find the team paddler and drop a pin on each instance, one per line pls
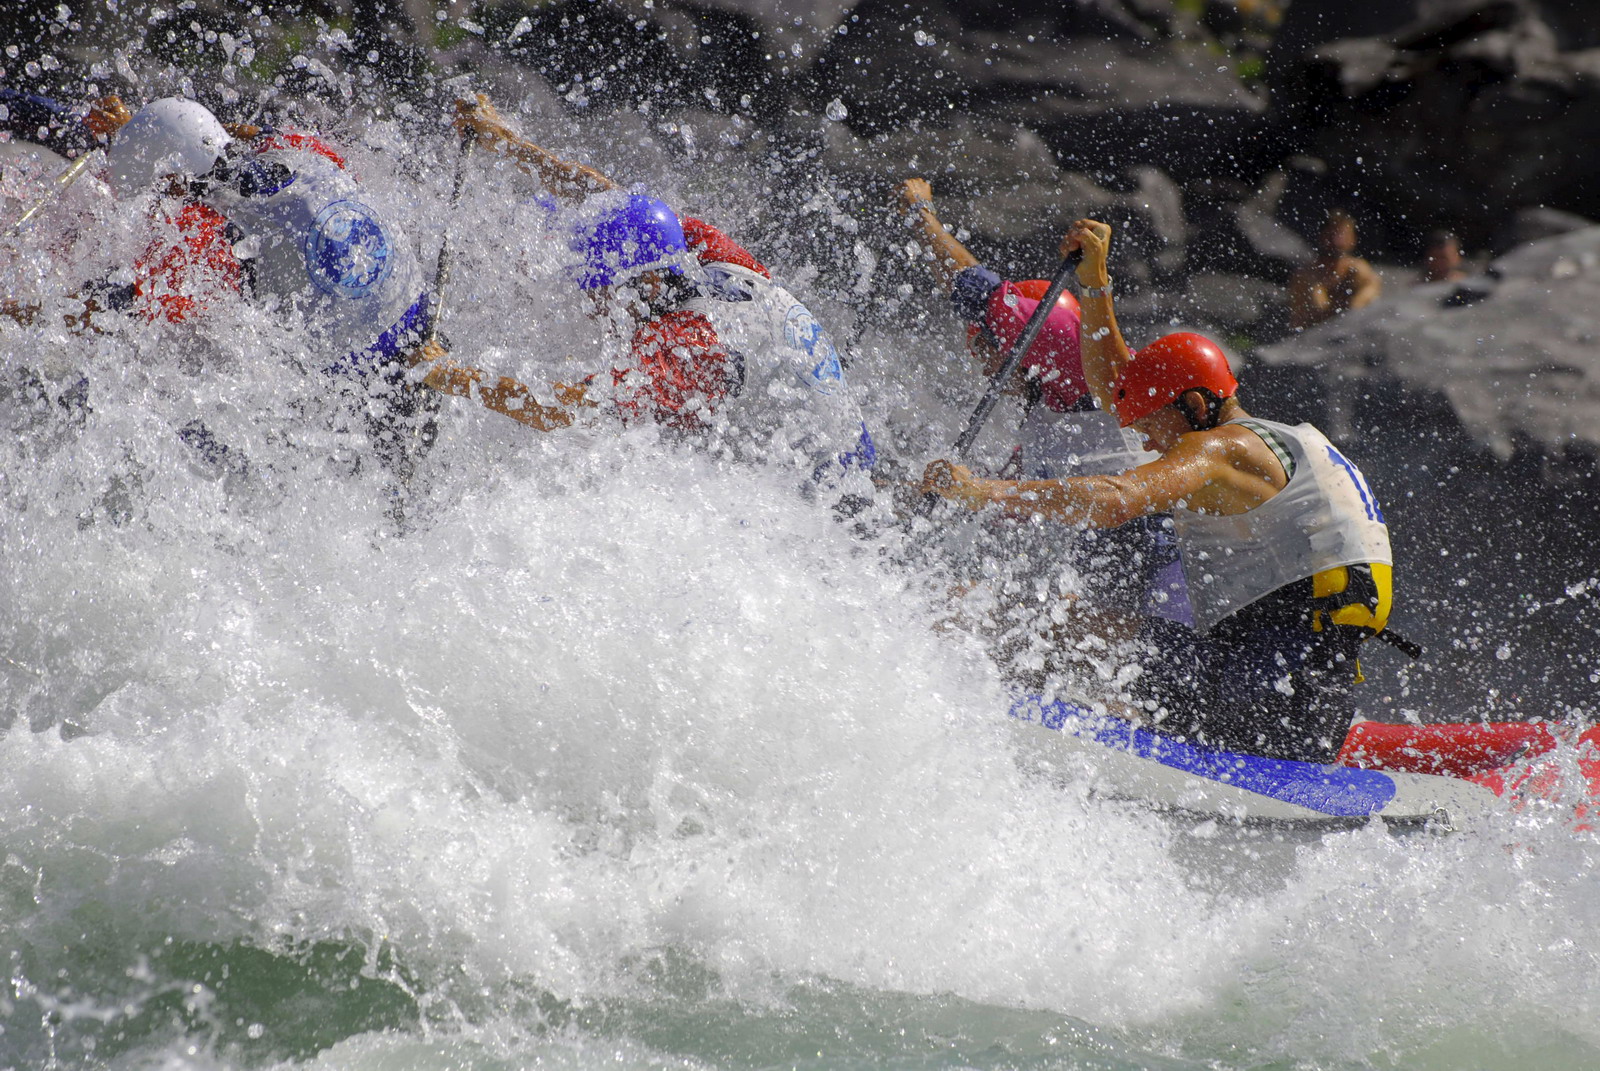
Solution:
(699, 336)
(1282, 542)
(1063, 431)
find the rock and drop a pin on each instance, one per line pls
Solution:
(627, 53)
(1422, 24)
(1238, 230)
(774, 19)
(1310, 23)
(1568, 256)
(1533, 224)
(1230, 301)
(1456, 119)
(1155, 222)
(1573, 21)
(969, 157)
(1274, 249)
(1104, 86)
(1514, 354)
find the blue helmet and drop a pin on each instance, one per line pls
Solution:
(636, 235)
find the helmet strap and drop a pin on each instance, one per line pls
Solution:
(671, 294)
(1213, 413)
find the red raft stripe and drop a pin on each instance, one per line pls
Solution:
(1453, 749)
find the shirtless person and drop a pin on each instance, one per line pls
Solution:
(1337, 281)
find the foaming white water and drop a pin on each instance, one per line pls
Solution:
(610, 701)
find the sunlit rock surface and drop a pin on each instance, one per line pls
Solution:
(1515, 351)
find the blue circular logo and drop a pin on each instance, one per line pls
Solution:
(801, 330)
(347, 253)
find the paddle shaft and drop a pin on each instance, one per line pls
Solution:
(1014, 357)
(441, 275)
(1408, 647)
(57, 188)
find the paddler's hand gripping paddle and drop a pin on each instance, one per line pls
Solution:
(1014, 357)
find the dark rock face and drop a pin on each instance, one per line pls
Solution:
(1308, 24)
(1461, 117)
(1105, 87)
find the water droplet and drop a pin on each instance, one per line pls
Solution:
(923, 38)
(836, 110)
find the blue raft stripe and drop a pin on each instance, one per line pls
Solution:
(1333, 790)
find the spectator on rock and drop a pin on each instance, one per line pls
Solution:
(1337, 281)
(1441, 258)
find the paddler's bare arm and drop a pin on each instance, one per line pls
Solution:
(26, 315)
(1362, 285)
(506, 396)
(1217, 471)
(1104, 351)
(1308, 299)
(950, 257)
(564, 178)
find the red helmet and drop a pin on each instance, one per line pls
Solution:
(1166, 368)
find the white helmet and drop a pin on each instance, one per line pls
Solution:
(167, 136)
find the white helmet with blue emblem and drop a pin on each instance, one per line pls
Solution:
(171, 136)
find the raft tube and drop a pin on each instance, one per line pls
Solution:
(1125, 762)
(1516, 760)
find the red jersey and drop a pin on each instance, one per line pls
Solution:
(682, 372)
(176, 278)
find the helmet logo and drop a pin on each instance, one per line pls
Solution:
(347, 253)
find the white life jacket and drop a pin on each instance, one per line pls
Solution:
(316, 245)
(1085, 442)
(1325, 517)
(794, 392)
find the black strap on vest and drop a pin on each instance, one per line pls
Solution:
(1410, 648)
